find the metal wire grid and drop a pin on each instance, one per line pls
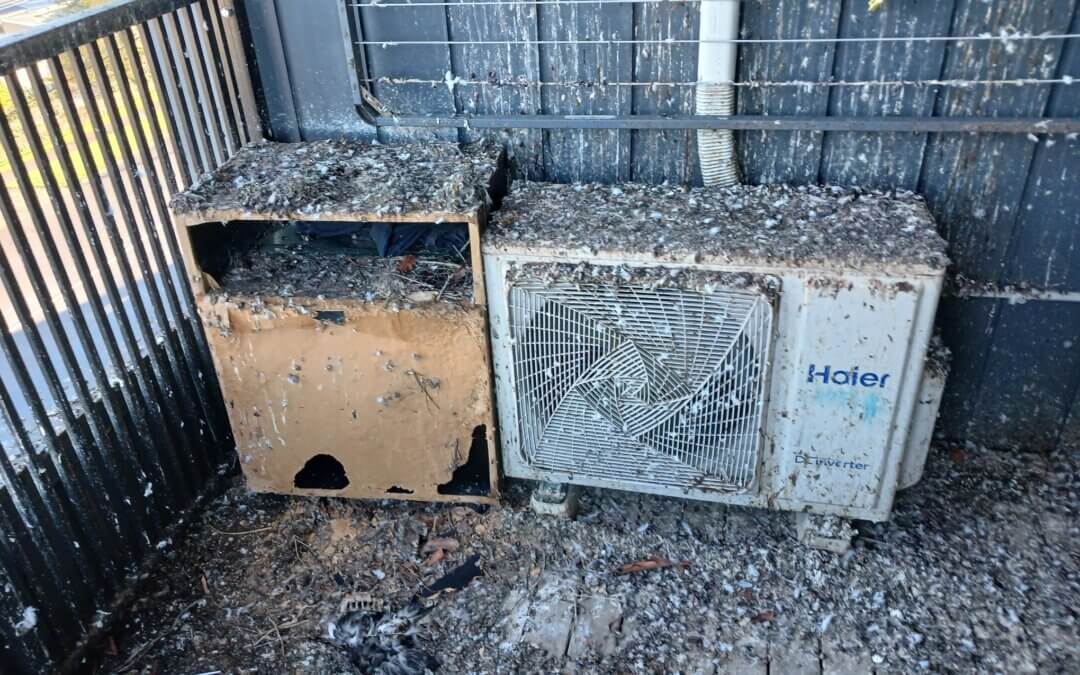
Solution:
(657, 387)
(744, 84)
(110, 424)
(1004, 36)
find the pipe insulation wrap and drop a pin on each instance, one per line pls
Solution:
(714, 94)
(716, 147)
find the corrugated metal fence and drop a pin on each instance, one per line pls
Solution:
(112, 425)
(1006, 202)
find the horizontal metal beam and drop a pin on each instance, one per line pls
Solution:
(1015, 295)
(999, 125)
(27, 48)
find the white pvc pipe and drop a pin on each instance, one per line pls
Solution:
(714, 94)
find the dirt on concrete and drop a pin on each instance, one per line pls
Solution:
(979, 571)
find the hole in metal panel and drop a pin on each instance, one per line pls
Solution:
(472, 477)
(335, 316)
(321, 472)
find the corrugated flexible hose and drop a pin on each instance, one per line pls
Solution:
(716, 147)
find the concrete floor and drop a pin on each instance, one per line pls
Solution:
(979, 571)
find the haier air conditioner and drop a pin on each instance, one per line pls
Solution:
(761, 346)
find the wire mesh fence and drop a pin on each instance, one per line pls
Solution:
(110, 420)
(579, 63)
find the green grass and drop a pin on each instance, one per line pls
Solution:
(67, 135)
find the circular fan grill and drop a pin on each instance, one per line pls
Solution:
(663, 378)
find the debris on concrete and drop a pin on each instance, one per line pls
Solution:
(553, 608)
(454, 580)
(653, 563)
(978, 571)
(828, 533)
(558, 500)
(383, 644)
(596, 627)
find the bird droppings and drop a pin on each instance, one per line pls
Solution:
(938, 358)
(651, 278)
(270, 195)
(804, 225)
(978, 571)
(27, 622)
(339, 177)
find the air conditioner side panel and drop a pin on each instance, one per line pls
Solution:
(502, 366)
(846, 370)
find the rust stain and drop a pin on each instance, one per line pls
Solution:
(393, 396)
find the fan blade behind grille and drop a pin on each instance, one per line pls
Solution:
(613, 379)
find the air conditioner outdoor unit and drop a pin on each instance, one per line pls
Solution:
(761, 346)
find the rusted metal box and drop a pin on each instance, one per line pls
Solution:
(346, 373)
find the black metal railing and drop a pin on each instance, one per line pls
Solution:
(111, 423)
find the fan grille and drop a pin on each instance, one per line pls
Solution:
(644, 386)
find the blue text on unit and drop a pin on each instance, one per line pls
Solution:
(827, 375)
(830, 462)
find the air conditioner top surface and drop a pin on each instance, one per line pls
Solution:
(829, 226)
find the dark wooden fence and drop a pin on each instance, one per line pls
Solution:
(111, 423)
(1007, 202)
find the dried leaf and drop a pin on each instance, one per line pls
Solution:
(764, 617)
(654, 563)
(341, 529)
(445, 544)
(437, 556)
(406, 264)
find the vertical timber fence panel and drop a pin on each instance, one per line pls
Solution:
(973, 103)
(111, 423)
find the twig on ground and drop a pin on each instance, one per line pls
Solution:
(242, 532)
(138, 653)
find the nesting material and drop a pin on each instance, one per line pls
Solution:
(298, 272)
(778, 224)
(327, 179)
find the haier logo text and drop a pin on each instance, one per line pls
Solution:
(828, 375)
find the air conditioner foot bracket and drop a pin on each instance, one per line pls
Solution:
(555, 499)
(828, 533)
